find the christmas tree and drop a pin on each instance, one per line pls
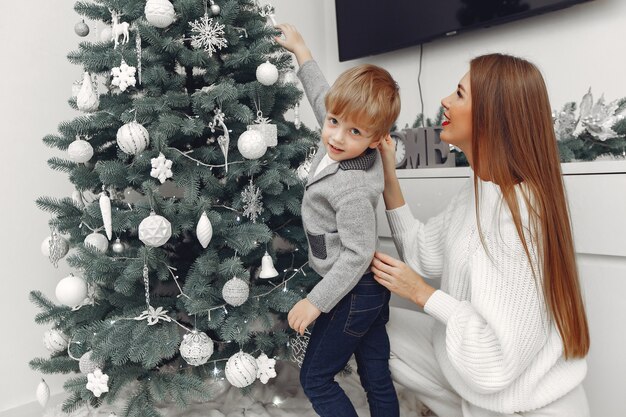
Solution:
(188, 182)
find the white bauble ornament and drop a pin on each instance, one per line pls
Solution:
(71, 291)
(118, 246)
(155, 230)
(215, 9)
(160, 13)
(81, 29)
(98, 241)
(87, 365)
(62, 250)
(267, 73)
(105, 210)
(80, 151)
(196, 348)
(43, 393)
(251, 144)
(204, 230)
(87, 99)
(55, 340)
(235, 292)
(107, 34)
(241, 369)
(132, 138)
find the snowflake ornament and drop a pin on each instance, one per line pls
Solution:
(161, 168)
(265, 367)
(123, 76)
(153, 315)
(208, 34)
(97, 382)
(252, 199)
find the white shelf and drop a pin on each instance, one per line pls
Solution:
(568, 168)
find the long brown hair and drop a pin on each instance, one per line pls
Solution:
(513, 142)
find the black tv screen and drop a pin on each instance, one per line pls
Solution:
(369, 27)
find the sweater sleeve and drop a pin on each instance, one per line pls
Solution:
(420, 245)
(315, 88)
(356, 224)
(494, 336)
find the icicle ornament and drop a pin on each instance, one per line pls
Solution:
(105, 209)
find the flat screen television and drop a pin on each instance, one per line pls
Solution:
(369, 27)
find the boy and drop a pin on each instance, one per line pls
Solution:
(349, 307)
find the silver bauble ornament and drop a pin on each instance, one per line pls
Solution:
(155, 230)
(215, 9)
(160, 13)
(236, 291)
(80, 151)
(55, 340)
(132, 138)
(118, 246)
(97, 241)
(251, 144)
(71, 291)
(87, 365)
(196, 348)
(81, 29)
(267, 73)
(241, 369)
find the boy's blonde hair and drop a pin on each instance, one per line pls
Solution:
(368, 95)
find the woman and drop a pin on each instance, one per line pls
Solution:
(507, 332)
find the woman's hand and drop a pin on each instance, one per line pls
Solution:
(387, 148)
(293, 42)
(400, 279)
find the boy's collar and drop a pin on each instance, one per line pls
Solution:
(363, 162)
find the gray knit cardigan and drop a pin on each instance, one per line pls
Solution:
(338, 209)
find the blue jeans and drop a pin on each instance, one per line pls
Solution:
(356, 325)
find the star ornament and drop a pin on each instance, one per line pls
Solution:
(161, 168)
(153, 316)
(97, 382)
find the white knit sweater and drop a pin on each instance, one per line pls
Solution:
(492, 337)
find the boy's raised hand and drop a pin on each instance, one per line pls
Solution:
(302, 314)
(293, 42)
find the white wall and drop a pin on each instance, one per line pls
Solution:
(35, 80)
(576, 48)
